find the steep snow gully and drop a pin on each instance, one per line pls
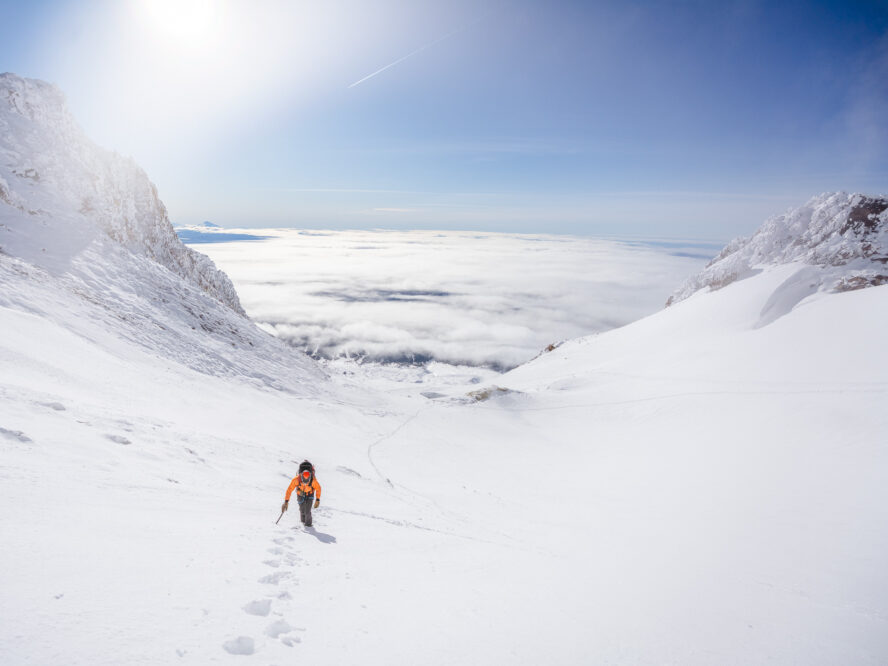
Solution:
(703, 486)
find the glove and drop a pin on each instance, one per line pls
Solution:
(284, 505)
(317, 503)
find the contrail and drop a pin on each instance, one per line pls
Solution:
(419, 50)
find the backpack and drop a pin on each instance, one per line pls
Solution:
(305, 465)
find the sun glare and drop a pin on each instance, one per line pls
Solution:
(186, 24)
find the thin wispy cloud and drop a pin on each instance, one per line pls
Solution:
(352, 190)
(690, 194)
(504, 146)
(340, 190)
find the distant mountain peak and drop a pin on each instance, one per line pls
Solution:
(845, 236)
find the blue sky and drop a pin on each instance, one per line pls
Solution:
(666, 119)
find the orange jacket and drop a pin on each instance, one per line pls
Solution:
(306, 489)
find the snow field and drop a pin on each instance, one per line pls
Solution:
(633, 502)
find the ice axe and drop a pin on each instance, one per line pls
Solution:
(283, 509)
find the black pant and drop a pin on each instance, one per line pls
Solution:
(305, 509)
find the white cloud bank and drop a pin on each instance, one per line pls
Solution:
(458, 297)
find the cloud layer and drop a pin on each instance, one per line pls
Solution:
(478, 299)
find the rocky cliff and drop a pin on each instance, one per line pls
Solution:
(842, 238)
(54, 180)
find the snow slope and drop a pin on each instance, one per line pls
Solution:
(698, 487)
(689, 489)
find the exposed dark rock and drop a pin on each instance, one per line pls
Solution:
(863, 218)
(861, 282)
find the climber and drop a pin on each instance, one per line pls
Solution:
(306, 486)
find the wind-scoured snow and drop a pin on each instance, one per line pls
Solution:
(703, 486)
(842, 239)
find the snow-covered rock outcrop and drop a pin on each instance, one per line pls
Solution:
(841, 239)
(86, 246)
(50, 171)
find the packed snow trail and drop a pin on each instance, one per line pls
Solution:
(383, 439)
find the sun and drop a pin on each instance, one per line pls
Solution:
(184, 24)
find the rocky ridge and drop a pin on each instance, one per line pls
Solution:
(841, 238)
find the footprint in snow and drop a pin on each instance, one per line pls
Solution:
(57, 406)
(240, 645)
(272, 563)
(17, 435)
(261, 607)
(275, 578)
(118, 439)
(277, 628)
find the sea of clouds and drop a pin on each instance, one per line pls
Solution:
(462, 298)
